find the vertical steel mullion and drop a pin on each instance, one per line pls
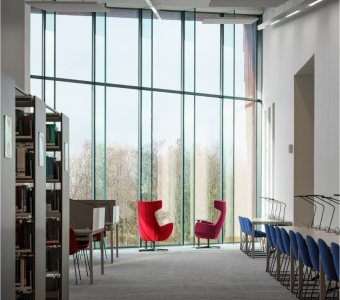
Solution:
(93, 107)
(194, 167)
(221, 117)
(140, 113)
(105, 108)
(152, 16)
(182, 127)
(43, 71)
(234, 134)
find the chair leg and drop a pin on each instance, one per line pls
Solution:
(105, 249)
(152, 249)
(75, 270)
(87, 273)
(77, 257)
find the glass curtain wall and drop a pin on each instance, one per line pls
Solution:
(158, 111)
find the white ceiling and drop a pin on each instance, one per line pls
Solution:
(247, 3)
(200, 5)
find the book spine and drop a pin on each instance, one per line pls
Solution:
(25, 198)
(17, 234)
(22, 278)
(47, 165)
(52, 134)
(22, 199)
(25, 273)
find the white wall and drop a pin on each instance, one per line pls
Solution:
(287, 46)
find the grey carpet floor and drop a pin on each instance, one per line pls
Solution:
(181, 273)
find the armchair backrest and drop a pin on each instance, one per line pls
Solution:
(222, 207)
(147, 223)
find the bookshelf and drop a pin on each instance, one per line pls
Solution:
(33, 179)
(62, 211)
(7, 189)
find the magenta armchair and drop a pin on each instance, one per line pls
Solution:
(207, 230)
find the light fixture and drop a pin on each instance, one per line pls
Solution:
(295, 12)
(229, 20)
(315, 2)
(275, 22)
(68, 6)
(155, 8)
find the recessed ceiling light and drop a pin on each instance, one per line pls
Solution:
(229, 20)
(155, 8)
(314, 2)
(295, 12)
(275, 22)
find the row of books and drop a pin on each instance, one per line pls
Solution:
(53, 136)
(23, 271)
(52, 229)
(53, 199)
(23, 201)
(52, 284)
(24, 228)
(25, 295)
(24, 162)
(52, 168)
(53, 254)
(23, 123)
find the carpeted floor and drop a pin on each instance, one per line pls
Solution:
(181, 273)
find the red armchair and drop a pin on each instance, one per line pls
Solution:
(149, 229)
(208, 230)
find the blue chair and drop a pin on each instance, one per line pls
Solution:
(313, 251)
(272, 248)
(293, 241)
(335, 253)
(328, 265)
(242, 247)
(303, 250)
(284, 256)
(274, 242)
(258, 234)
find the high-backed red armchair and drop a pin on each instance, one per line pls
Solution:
(149, 229)
(208, 230)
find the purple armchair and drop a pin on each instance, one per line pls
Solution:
(207, 230)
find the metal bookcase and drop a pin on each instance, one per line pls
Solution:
(63, 213)
(38, 212)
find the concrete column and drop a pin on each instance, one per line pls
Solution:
(15, 41)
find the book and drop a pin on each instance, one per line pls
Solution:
(50, 135)
(22, 274)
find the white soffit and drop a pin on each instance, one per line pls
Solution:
(68, 6)
(229, 20)
(246, 3)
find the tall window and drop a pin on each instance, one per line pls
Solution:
(158, 111)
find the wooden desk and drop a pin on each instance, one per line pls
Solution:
(87, 235)
(315, 234)
(110, 226)
(260, 221)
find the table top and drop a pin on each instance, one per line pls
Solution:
(265, 220)
(110, 223)
(315, 234)
(87, 231)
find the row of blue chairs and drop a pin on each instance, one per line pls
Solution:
(309, 254)
(246, 228)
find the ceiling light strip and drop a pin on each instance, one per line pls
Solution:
(155, 8)
(289, 12)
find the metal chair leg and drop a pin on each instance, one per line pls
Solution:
(77, 257)
(75, 270)
(87, 273)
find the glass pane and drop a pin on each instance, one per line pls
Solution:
(74, 45)
(228, 168)
(228, 68)
(245, 162)
(146, 47)
(189, 51)
(75, 101)
(36, 88)
(189, 163)
(166, 183)
(49, 45)
(122, 46)
(146, 146)
(207, 160)
(207, 56)
(36, 41)
(49, 93)
(100, 48)
(100, 142)
(167, 51)
(122, 160)
(245, 60)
